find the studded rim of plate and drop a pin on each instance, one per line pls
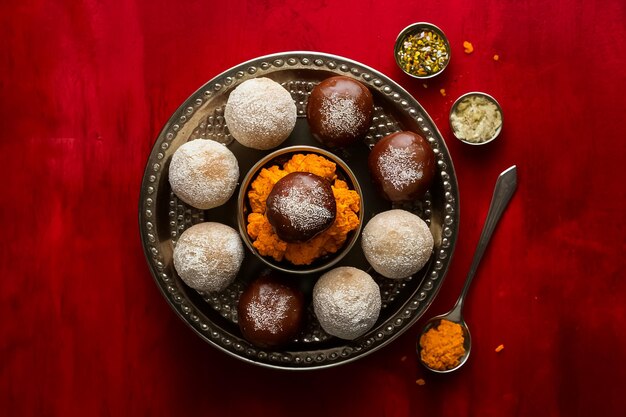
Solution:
(184, 125)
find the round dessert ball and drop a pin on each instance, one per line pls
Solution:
(402, 166)
(208, 255)
(346, 302)
(300, 206)
(270, 311)
(203, 173)
(339, 111)
(397, 243)
(260, 113)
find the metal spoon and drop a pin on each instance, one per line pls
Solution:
(505, 186)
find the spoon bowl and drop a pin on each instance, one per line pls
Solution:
(504, 189)
(454, 317)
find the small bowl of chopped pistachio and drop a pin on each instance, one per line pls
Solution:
(422, 50)
(476, 118)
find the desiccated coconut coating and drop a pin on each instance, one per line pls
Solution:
(203, 173)
(208, 255)
(346, 302)
(397, 243)
(260, 113)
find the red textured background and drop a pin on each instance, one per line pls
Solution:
(85, 87)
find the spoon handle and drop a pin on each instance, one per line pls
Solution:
(505, 187)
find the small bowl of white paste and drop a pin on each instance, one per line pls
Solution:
(476, 118)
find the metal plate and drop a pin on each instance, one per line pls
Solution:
(163, 217)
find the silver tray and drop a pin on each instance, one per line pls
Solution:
(162, 217)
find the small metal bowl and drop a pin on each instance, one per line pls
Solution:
(279, 157)
(488, 98)
(415, 28)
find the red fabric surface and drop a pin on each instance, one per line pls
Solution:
(85, 87)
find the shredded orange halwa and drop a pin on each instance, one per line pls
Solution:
(468, 47)
(260, 230)
(442, 346)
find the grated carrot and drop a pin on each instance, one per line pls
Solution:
(468, 47)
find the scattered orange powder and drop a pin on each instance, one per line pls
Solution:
(442, 346)
(468, 47)
(499, 348)
(496, 57)
(260, 230)
(443, 92)
(420, 381)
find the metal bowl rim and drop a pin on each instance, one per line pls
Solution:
(253, 172)
(478, 94)
(412, 27)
